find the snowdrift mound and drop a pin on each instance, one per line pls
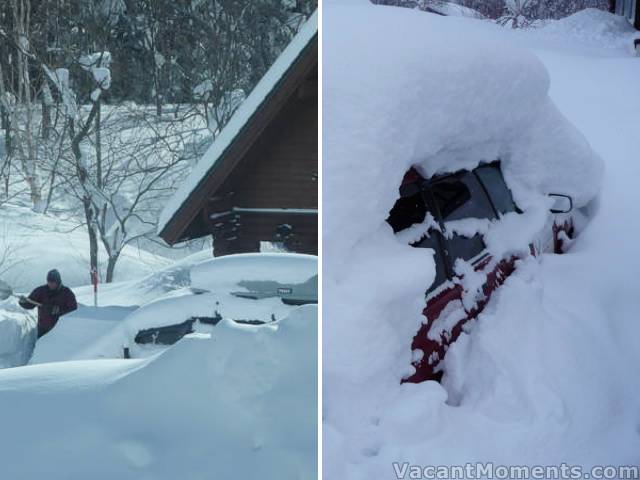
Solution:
(240, 404)
(17, 334)
(421, 95)
(199, 286)
(592, 25)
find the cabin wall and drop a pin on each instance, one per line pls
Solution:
(280, 171)
(245, 236)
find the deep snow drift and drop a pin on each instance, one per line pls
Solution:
(240, 403)
(440, 101)
(230, 401)
(548, 370)
(17, 334)
(79, 330)
(196, 286)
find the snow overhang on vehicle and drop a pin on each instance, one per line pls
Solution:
(290, 293)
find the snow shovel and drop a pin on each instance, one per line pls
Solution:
(6, 291)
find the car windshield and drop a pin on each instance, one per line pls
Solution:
(460, 196)
(480, 193)
(449, 195)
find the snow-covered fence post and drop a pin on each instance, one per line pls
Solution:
(94, 282)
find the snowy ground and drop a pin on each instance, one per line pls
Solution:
(548, 374)
(37, 243)
(230, 401)
(241, 404)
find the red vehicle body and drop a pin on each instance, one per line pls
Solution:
(481, 193)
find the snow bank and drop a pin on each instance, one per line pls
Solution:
(241, 404)
(196, 286)
(17, 334)
(173, 309)
(595, 27)
(77, 331)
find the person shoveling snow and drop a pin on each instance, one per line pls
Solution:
(53, 300)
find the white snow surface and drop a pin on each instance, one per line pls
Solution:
(591, 27)
(17, 334)
(240, 118)
(39, 242)
(240, 403)
(228, 271)
(440, 101)
(548, 371)
(195, 286)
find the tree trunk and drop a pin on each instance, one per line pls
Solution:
(158, 96)
(98, 144)
(46, 119)
(91, 230)
(89, 213)
(111, 266)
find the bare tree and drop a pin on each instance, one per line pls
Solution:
(18, 106)
(8, 252)
(109, 152)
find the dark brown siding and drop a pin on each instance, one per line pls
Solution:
(245, 236)
(300, 82)
(264, 186)
(281, 169)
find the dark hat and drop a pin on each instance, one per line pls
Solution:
(54, 276)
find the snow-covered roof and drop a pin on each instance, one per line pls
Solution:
(240, 119)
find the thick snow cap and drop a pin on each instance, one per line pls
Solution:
(405, 88)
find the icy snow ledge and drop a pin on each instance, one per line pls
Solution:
(241, 404)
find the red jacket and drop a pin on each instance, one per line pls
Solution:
(63, 298)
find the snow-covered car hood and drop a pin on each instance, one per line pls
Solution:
(262, 287)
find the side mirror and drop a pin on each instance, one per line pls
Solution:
(562, 203)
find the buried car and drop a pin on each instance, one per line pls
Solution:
(452, 214)
(249, 289)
